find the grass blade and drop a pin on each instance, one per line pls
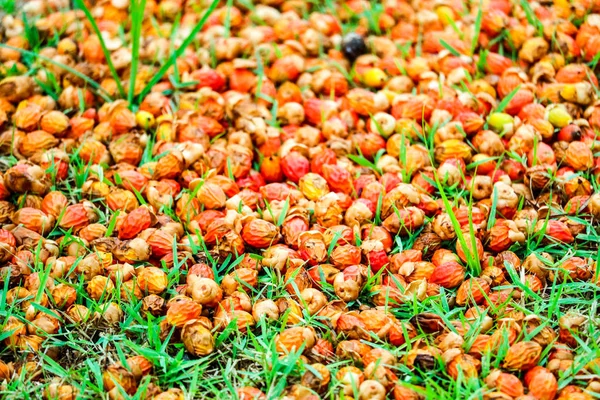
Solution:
(478, 20)
(448, 47)
(137, 17)
(105, 95)
(507, 99)
(532, 18)
(471, 254)
(113, 71)
(284, 212)
(227, 24)
(112, 224)
(188, 40)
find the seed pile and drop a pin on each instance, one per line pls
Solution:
(289, 199)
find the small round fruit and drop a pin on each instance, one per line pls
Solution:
(353, 46)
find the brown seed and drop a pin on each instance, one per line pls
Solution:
(55, 123)
(371, 389)
(205, 291)
(464, 364)
(100, 287)
(294, 339)
(579, 156)
(78, 313)
(152, 280)
(265, 308)
(153, 304)
(452, 148)
(197, 339)
(318, 381)
(57, 390)
(17, 88)
(404, 393)
(117, 376)
(522, 356)
(428, 322)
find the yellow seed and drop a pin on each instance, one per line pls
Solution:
(580, 93)
(313, 186)
(144, 119)
(559, 117)
(568, 92)
(374, 78)
(445, 14)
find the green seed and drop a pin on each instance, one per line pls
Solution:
(559, 117)
(501, 122)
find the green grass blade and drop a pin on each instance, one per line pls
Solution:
(472, 256)
(507, 99)
(284, 212)
(137, 17)
(105, 96)
(227, 24)
(532, 18)
(188, 40)
(112, 224)
(448, 47)
(478, 20)
(113, 71)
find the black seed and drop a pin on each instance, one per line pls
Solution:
(425, 361)
(353, 46)
(428, 322)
